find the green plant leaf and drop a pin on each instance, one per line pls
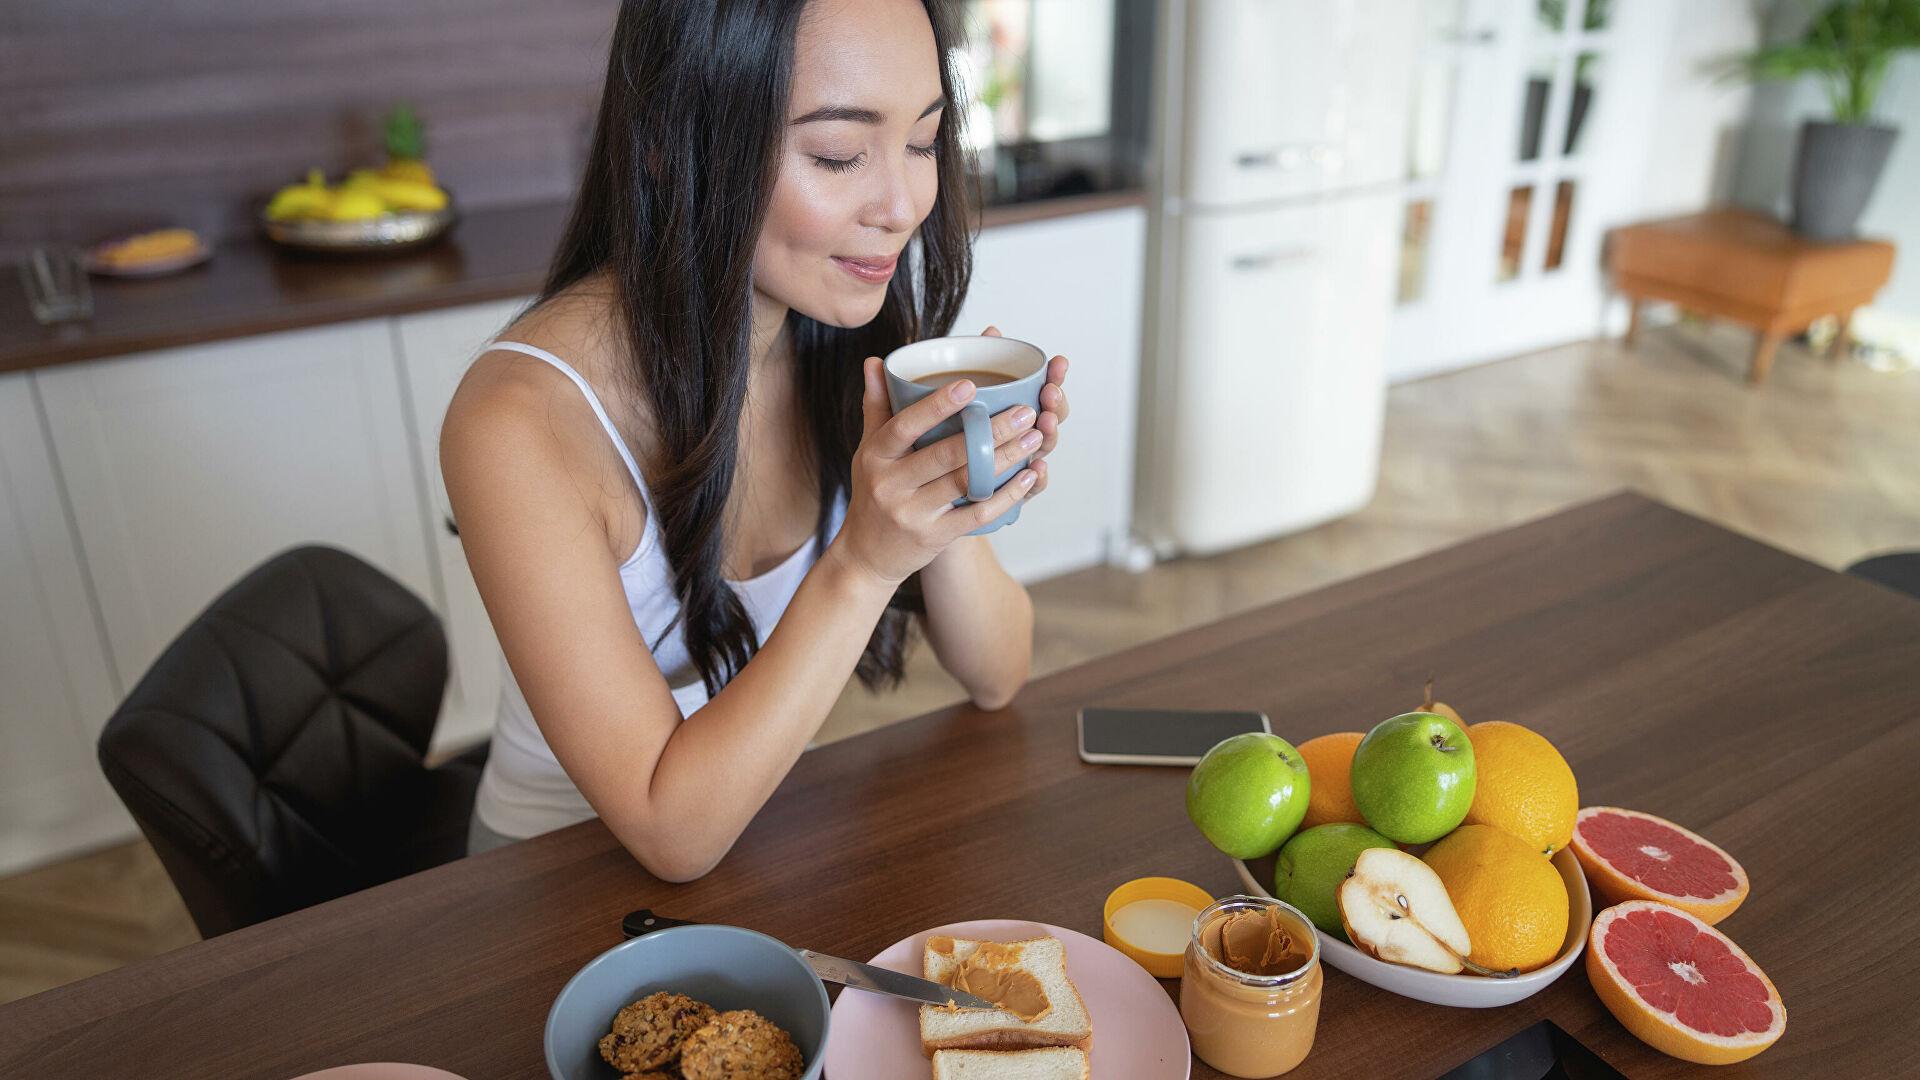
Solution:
(1848, 46)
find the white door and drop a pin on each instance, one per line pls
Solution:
(436, 348)
(1091, 314)
(56, 687)
(1528, 143)
(187, 468)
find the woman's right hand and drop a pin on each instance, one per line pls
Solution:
(900, 513)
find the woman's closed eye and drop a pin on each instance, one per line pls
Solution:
(858, 160)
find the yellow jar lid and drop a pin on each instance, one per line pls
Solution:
(1161, 965)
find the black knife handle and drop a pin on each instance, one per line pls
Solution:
(645, 921)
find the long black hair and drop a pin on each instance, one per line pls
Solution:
(685, 154)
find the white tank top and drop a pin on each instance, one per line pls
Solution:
(523, 790)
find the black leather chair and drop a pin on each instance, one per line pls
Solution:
(274, 753)
(1899, 570)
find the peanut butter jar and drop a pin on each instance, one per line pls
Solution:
(1250, 986)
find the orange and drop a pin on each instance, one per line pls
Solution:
(1522, 786)
(1681, 986)
(1629, 855)
(1511, 900)
(1330, 785)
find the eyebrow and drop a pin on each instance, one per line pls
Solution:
(861, 116)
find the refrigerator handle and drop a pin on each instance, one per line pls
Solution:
(1286, 157)
(1270, 258)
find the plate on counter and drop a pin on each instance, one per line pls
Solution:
(1137, 1031)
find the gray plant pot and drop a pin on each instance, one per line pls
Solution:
(1833, 176)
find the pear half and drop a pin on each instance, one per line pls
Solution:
(1395, 907)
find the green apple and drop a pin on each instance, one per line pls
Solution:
(1248, 794)
(1314, 863)
(1413, 777)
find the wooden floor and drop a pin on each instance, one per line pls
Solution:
(1822, 461)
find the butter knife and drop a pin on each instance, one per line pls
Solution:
(874, 980)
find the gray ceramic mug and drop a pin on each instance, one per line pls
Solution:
(919, 369)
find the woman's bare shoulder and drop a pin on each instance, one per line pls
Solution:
(511, 395)
(516, 412)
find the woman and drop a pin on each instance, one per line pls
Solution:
(678, 484)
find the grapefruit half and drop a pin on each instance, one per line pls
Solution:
(1680, 985)
(1633, 856)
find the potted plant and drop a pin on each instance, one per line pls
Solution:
(1848, 45)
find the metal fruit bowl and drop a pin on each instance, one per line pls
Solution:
(393, 231)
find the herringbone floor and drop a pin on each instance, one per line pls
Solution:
(1822, 461)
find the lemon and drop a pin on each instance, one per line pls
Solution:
(1512, 902)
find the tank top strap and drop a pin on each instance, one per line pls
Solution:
(593, 399)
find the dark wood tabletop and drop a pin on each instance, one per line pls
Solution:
(252, 287)
(1759, 699)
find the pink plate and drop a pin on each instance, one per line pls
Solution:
(382, 1070)
(1137, 1031)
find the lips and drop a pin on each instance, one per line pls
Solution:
(868, 269)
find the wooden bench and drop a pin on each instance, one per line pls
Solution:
(1749, 268)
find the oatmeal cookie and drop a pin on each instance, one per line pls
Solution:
(741, 1045)
(648, 1033)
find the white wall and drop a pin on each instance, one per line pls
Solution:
(1695, 133)
(1766, 166)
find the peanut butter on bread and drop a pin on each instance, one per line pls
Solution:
(991, 972)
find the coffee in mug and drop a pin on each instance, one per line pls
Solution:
(937, 379)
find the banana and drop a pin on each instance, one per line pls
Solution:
(308, 200)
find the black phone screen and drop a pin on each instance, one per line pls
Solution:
(1160, 733)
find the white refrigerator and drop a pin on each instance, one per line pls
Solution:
(1272, 255)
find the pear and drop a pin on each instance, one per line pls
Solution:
(1395, 907)
(1427, 704)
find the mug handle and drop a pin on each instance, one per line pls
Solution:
(977, 427)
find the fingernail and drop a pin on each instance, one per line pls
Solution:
(1022, 416)
(1030, 440)
(961, 390)
(1028, 477)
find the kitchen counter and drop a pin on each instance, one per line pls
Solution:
(250, 287)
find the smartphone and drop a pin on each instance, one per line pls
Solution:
(1113, 736)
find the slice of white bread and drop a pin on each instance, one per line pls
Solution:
(1065, 1022)
(1048, 1063)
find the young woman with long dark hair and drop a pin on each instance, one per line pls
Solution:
(678, 484)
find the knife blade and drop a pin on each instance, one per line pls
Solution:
(879, 980)
(874, 980)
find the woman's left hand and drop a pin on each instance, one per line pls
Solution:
(1053, 413)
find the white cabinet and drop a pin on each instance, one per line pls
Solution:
(1088, 311)
(435, 350)
(1292, 97)
(1277, 389)
(187, 468)
(56, 688)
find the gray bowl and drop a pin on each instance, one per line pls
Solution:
(725, 966)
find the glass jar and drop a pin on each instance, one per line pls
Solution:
(1249, 1025)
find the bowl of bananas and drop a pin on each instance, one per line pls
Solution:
(397, 206)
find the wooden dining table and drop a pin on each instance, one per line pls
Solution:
(1763, 701)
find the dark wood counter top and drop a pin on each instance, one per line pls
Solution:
(249, 287)
(1682, 670)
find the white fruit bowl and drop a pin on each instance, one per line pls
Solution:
(1462, 991)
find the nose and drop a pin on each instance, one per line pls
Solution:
(890, 204)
